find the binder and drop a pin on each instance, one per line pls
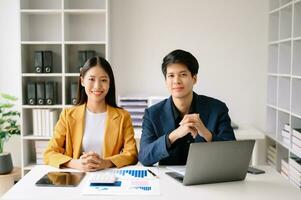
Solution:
(51, 92)
(47, 61)
(38, 61)
(73, 93)
(82, 56)
(41, 93)
(31, 93)
(90, 54)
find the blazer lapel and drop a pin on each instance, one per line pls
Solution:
(167, 119)
(111, 131)
(77, 129)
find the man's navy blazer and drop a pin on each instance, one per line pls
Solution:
(158, 121)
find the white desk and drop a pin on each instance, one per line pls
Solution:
(268, 186)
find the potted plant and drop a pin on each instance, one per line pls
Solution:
(9, 126)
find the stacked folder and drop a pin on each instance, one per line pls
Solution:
(285, 134)
(135, 106)
(40, 147)
(44, 121)
(285, 168)
(295, 170)
(271, 155)
(296, 141)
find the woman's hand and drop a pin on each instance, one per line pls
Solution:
(89, 162)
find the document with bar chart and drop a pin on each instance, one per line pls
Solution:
(129, 181)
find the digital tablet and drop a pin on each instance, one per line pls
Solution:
(61, 179)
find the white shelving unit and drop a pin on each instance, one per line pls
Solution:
(63, 27)
(283, 78)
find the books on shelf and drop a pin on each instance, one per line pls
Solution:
(287, 127)
(271, 155)
(284, 168)
(297, 133)
(44, 121)
(295, 170)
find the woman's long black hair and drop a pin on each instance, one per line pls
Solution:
(104, 64)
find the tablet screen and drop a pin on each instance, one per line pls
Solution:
(61, 179)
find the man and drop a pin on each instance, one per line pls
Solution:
(170, 126)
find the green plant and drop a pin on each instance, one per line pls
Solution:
(8, 119)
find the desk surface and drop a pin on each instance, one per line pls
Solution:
(270, 185)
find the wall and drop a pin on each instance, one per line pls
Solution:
(10, 81)
(229, 39)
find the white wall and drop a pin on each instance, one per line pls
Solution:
(229, 39)
(10, 81)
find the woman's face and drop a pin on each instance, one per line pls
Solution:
(96, 82)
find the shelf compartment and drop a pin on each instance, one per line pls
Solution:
(26, 80)
(271, 122)
(273, 58)
(297, 58)
(285, 23)
(274, 4)
(41, 27)
(71, 54)
(87, 4)
(284, 93)
(283, 118)
(272, 90)
(27, 54)
(297, 19)
(70, 95)
(296, 96)
(81, 26)
(284, 58)
(41, 4)
(273, 26)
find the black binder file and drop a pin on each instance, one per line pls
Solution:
(38, 61)
(90, 53)
(47, 61)
(73, 92)
(31, 93)
(51, 93)
(41, 93)
(82, 56)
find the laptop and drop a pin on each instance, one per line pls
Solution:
(214, 162)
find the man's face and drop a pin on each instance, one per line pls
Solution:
(179, 80)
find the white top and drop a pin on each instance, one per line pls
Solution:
(94, 132)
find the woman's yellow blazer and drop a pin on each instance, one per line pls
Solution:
(119, 145)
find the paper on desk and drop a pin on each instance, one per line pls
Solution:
(132, 181)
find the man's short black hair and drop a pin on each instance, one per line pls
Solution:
(182, 57)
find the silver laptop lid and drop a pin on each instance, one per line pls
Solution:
(214, 162)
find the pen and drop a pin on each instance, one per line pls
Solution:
(152, 173)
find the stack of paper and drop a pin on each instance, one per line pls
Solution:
(285, 134)
(135, 106)
(296, 141)
(271, 155)
(295, 170)
(40, 147)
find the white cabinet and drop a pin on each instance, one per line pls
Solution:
(283, 84)
(63, 27)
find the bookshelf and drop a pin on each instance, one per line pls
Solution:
(283, 86)
(63, 27)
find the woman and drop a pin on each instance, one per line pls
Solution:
(95, 134)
